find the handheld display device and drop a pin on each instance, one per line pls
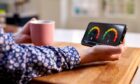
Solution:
(104, 33)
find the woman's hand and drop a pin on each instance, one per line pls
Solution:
(24, 35)
(101, 53)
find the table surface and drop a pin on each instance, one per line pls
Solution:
(118, 72)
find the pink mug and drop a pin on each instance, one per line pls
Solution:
(42, 32)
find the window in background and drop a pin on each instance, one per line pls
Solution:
(85, 8)
(106, 8)
(118, 7)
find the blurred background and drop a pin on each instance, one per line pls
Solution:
(72, 14)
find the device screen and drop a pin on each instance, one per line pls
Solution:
(104, 33)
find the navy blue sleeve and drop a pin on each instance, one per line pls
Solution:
(20, 62)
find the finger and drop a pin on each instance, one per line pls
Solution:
(108, 49)
(27, 39)
(123, 42)
(115, 57)
(26, 29)
(24, 39)
(110, 57)
(116, 50)
(123, 47)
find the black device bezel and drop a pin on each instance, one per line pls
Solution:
(93, 44)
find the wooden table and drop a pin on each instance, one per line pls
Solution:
(118, 72)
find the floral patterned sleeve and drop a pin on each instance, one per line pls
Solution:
(19, 63)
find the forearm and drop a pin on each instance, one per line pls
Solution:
(23, 62)
(83, 55)
(86, 55)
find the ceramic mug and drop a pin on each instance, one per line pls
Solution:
(42, 32)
